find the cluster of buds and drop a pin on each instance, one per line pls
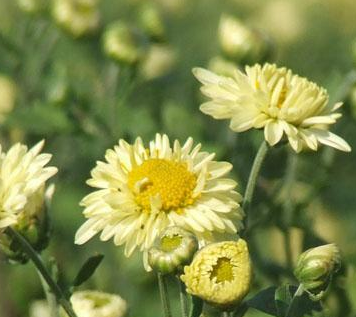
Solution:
(78, 17)
(241, 43)
(315, 268)
(175, 248)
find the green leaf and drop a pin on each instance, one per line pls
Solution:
(88, 269)
(304, 306)
(264, 301)
(283, 298)
(197, 307)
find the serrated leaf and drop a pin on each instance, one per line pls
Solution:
(264, 301)
(197, 307)
(88, 269)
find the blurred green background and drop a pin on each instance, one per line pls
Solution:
(66, 89)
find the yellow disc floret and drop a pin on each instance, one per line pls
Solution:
(171, 181)
(222, 271)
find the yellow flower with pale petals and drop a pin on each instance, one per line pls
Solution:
(220, 273)
(22, 177)
(142, 191)
(273, 99)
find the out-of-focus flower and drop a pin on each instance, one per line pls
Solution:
(79, 17)
(97, 304)
(352, 99)
(40, 308)
(220, 273)
(143, 190)
(241, 43)
(222, 66)
(124, 43)
(7, 96)
(152, 22)
(276, 100)
(315, 268)
(158, 62)
(176, 248)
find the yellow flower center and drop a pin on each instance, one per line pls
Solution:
(170, 181)
(222, 270)
(97, 301)
(169, 244)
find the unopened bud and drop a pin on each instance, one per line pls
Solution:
(152, 22)
(7, 96)
(176, 248)
(78, 17)
(315, 268)
(241, 43)
(123, 43)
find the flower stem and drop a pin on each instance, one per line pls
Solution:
(252, 179)
(164, 295)
(51, 299)
(183, 298)
(298, 293)
(37, 261)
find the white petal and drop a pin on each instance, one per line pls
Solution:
(273, 132)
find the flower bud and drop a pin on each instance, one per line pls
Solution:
(78, 17)
(220, 273)
(152, 22)
(315, 268)
(158, 62)
(123, 43)
(240, 43)
(176, 248)
(7, 96)
(97, 304)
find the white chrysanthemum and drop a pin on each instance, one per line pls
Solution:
(273, 99)
(22, 178)
(98, 304)
(141, 191)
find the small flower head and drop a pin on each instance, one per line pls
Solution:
(152, 22)
(241, 43)
(315, 268)
(123, 43)
(142, 190)
(276, 100)
(78, 17)
(7, 96)
(176, 248)
(220, 273)
(98, 304)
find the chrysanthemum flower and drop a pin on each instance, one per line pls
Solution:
(142, 191)
(22, 178)
(97, 304)
(276, 100)
(220, 273)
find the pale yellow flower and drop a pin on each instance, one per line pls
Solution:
(22, 177)
(97, 304)
(220, 273)
(143, 190)
(276, 100)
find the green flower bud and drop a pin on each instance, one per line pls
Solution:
(176, 248)
(78, 17)
(241, 43)
(315, 268)
(124, 44)
(152, 22)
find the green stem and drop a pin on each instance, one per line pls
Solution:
(288, 205)
(51, 299)
(251, 184)
(183, 298)
(164, 295)
(37, 261)
(298, 293)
